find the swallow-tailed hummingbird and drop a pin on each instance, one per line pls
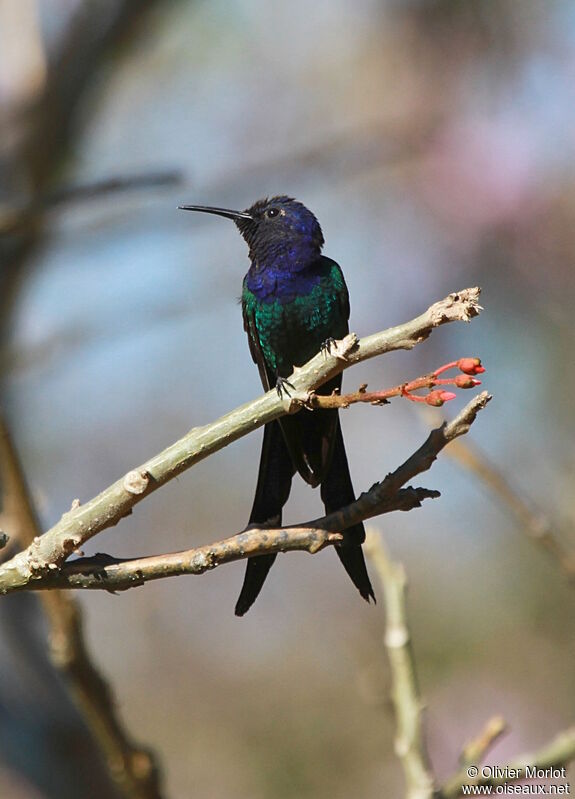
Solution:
(294, 300)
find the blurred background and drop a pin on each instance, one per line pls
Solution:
(435, 141)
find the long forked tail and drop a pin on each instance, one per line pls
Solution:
(337, 491)
(272, 492)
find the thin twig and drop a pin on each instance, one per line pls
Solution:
(532, 520)
(475, 750)
(473, 754)
(133, 768)
(556, 754)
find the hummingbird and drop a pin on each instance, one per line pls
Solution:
(294, 303)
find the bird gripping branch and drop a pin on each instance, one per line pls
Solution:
(294, 303)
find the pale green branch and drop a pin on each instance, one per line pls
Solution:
(407, 704)
(116, 574)
(48, 552)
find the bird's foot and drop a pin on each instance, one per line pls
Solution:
(327, 346)
(340, 349)
(283, 386)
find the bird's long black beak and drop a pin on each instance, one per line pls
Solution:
(206, 209)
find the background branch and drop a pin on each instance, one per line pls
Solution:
(15, 217)
(557, 753)
(532, 521)
(474, 751)
(37, 139)
(133, 769)
(410, 745)
(408, 706)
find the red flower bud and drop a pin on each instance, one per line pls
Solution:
(438, 397)
(470, 366)
(466, 381)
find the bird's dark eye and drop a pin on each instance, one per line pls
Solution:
(271, 212)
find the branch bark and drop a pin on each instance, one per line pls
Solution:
(116, 574)
(388, 495)
(410, 745)
(82, 522)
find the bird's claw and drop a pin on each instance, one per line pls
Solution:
(283, 386)
(327, 345)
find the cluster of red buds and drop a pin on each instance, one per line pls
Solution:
(436, 396)
(468, 366)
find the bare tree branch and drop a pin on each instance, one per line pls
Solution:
(410, 745)
(116, 574)
(133, 768)
(533, 522)
(36, 141)
(474, 751)
(82, 522)
(408, 705)
(13, 217)
(388, 495)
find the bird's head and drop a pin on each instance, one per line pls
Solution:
(281, 232)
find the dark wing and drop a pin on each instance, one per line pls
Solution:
(255, 347)
(311, 436)
(343, 296)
